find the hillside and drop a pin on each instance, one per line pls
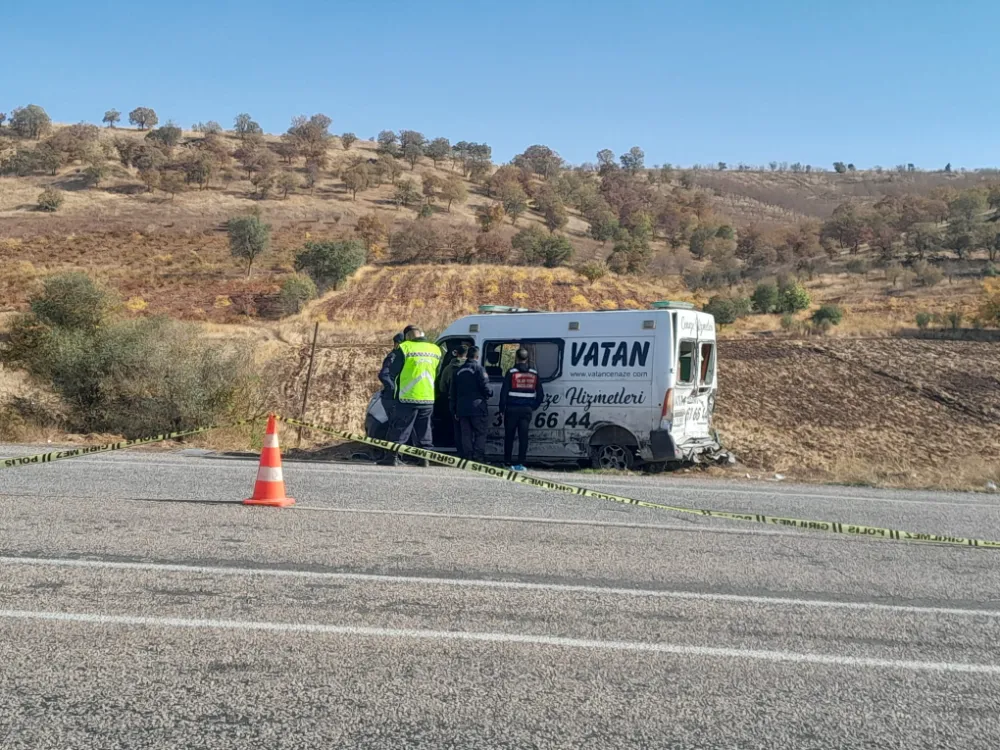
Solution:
(162, 242)
(772, 196)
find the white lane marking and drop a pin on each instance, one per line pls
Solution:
(557, 588)
(790, 657)
(695, 526)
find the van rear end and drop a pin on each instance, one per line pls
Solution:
(689, 367)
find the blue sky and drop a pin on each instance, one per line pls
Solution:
(870, 82)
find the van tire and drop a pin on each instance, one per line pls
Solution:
(612, 456)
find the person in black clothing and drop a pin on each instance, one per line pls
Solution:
(385, 377)
(520, 396)
(470, 392)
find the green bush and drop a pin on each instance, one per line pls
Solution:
(50, 200)
(923, 320)
(990, 271)
(727, 310)
(829, 314)
(954, 319)
(788, 322)
(743, 306)
(793, 298)
(71, 301)
(295, 292)
(541, 248)
(329, 264)
(765, 298)
(130, 377)
(593, 271)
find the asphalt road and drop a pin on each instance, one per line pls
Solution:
(141, 607)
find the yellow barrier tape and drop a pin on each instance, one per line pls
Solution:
(88, 450)
(510, 475)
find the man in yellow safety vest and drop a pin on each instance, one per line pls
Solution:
(413, 372)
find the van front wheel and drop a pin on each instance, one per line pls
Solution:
(612, 456)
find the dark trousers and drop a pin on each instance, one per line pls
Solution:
(516, 421)
(412, 419)
(472, 431)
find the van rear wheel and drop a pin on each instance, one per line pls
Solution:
(612, 456)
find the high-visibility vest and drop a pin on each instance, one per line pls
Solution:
(420, 364)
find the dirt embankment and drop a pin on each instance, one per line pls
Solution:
(883, 411)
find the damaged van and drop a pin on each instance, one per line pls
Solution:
(621, 387)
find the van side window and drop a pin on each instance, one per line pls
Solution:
(685, 362)
(707, 364)
(545, 355)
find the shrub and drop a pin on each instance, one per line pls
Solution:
(927, 274)
(71, 301)
(50, 200)
(169, 135)
(539, 248)
(765, 298)
(793, 298)
(722, 309)
(788, 322)
(347, 140)
(295, 292)
(416, 242)
(954, 319)
(93, 175)
(743, 306)
(493, 247)
(923, 320)
(831, 314)
(593, 271)
(329, 264)
(858, 266)
(990, 271)
(131, 377)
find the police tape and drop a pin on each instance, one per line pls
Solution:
(874, 532)
(89, 450)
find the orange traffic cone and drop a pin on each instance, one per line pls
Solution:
(270, 486)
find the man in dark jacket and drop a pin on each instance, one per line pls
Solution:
(385, 376)
(470, 392)
(520, 396)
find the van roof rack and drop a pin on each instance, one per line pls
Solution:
(504, 309)
(667, 304)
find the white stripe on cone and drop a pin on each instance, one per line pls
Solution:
(271, 440)
(269, 474)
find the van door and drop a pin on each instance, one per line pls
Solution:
(685, 385)
(703, 398)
